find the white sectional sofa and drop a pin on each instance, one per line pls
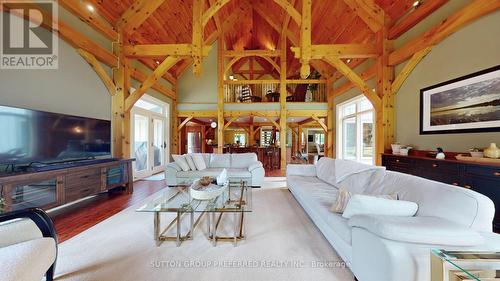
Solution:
(239, 166)
(389, 248)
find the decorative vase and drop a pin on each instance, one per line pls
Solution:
(492, 151)
(395, 148)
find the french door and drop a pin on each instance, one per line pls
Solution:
(148, 142)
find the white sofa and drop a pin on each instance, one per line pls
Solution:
(239, 166)
(387, 248)
(28, 246)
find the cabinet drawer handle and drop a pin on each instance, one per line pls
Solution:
(496, 174)
(468, 186)
(435, 165)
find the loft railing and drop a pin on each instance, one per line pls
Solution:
(268, 91)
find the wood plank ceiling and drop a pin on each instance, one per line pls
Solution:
(252, 24)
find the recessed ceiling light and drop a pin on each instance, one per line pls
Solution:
(90, 8)
(416, 4)
(348, 60)
(157, 62)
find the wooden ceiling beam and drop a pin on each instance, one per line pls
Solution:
(341, 51)
(141, 77)
(106, 79)
(161, 50)
(473, 11)
(252, 53)
(416, 16)
(197, 39)
(261, 10)
(153, 65)
(304, 53)
(213, 9)
(356, 80)
(369, 12)
(150, 81)
(408, 68)
(136, 14)
(366, 75)
(78, 9)
(70, 35)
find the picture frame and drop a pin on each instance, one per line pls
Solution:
(467, 104)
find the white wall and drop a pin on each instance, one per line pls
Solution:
(74, 88)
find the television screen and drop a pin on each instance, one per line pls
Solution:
(35, 136)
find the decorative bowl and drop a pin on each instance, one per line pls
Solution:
(205, 181)
(208, 192)
(476, 154)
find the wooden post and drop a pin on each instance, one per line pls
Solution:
(305, 39)
(174, 120)
(330, 137)
(203, 138)
(385, 116)
(251, 139)
(299, 141)
(120, 123)
(283, 115)
(220, 94)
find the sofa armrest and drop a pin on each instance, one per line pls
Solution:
(307, 170)
(254, 165)
(24, 225)
(173, 166)
(26, 220)
(420, 230)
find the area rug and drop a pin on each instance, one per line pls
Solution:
(157, 177)
(282, 244)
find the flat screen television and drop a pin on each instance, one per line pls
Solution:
(32, 136)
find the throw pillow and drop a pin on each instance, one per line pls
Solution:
(190, 162)
(343, 197)
(370, 205)
(181, 161)
(199, 162)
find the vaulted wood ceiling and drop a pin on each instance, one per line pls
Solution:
(252, 24)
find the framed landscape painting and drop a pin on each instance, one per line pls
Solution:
(467, 104)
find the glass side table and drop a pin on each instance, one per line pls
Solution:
(464, 265)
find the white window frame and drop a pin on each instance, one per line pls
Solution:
(359, 130)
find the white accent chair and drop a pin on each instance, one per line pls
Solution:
(388, 248)
(28, 246)
(239, 166)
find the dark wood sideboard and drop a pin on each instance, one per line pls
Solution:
(49, 189)
(483, 178)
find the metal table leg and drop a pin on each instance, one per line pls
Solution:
(157, 228)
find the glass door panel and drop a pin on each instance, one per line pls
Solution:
(350, 136)
(159, 144)
(367, 137)
(141, 143)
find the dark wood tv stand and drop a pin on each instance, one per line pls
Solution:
(49, 189)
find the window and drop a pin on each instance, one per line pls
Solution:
(356, 131)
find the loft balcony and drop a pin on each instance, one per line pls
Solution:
(268, 91)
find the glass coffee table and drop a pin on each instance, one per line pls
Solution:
(464, 265)
(236, 200)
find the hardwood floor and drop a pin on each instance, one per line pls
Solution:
(81, 216)
(74, 219)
